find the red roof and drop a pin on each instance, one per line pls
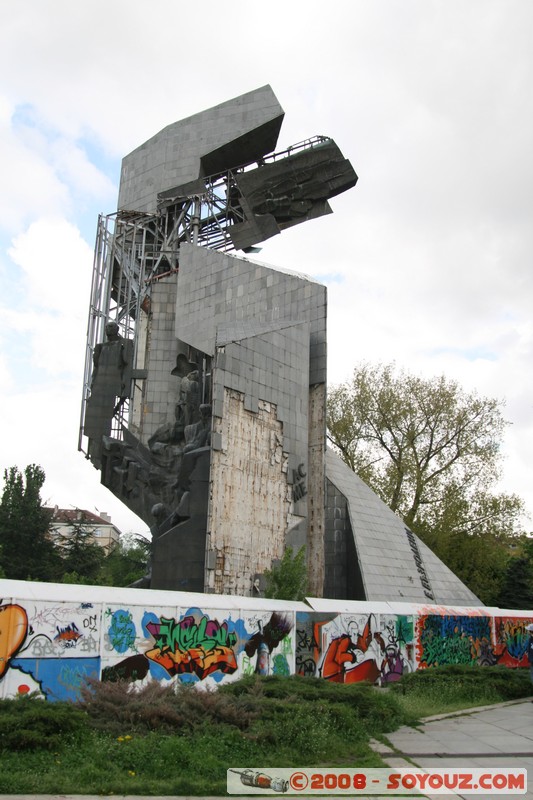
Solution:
(69, 515)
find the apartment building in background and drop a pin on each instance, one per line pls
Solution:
(65, 520)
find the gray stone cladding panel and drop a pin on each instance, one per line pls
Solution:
(161, 387)
(271, 378)
(173, 156)
(337, 530)
(287, 298)
(385, 555)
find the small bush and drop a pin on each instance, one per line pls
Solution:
(118, 707)
(29, 723)
(469, 683)
(370, 710)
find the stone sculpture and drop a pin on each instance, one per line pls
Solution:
(110, 386)
(210, 422)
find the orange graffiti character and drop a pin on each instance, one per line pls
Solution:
(13, 630)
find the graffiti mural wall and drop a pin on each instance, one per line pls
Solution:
(347, 648)
(50, 647)
(53, 647)
(511, 639)
(195, 645)
(449, 639)
(52, 641)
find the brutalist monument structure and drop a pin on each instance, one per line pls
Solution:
(205, 380)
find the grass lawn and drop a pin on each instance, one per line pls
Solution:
(165, 742)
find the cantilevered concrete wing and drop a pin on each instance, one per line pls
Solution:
(237, 132)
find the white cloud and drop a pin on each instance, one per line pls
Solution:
(29, 184)
(57, 265)
(44, 173)
(84, 178)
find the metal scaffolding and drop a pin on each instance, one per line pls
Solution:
(133, 250)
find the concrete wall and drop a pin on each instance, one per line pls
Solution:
(54, 637)
(392, 562)
(161, 388)
(266, 333)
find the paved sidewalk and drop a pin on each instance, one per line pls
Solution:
(494, 736)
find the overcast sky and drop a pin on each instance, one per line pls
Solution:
(428, 261)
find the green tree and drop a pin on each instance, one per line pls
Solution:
(410, 437)
(28, 552)
(288, 579)
(474, 533)
(432, 452)
(517, 585)
(82, 556)
(127, 562)
(516, 589)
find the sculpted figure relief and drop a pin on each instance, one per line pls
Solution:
(188, 390)
(110, 385)
(157, 474)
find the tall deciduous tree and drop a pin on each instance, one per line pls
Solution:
(27, 549)
(475, 533)
(432, 452)
(410, 437)
(517, 584)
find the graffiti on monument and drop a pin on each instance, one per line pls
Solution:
(195, 646)
(450, 639)
(511, 639)
(349, 648)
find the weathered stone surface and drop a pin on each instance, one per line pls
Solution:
(251, 506)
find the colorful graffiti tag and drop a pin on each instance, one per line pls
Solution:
(398, 657)
(186, 646)
(347, 649)
(267, 638)
(196, 646)
(121, 630)
(51, 649)
(454, 640)
(511, 639)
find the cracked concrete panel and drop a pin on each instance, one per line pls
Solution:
(250, 500)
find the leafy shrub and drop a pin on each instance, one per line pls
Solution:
(370, 710)
(29, 723)
(461, 681)
(119, 706)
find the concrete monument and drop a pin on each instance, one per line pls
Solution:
(213, 425)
